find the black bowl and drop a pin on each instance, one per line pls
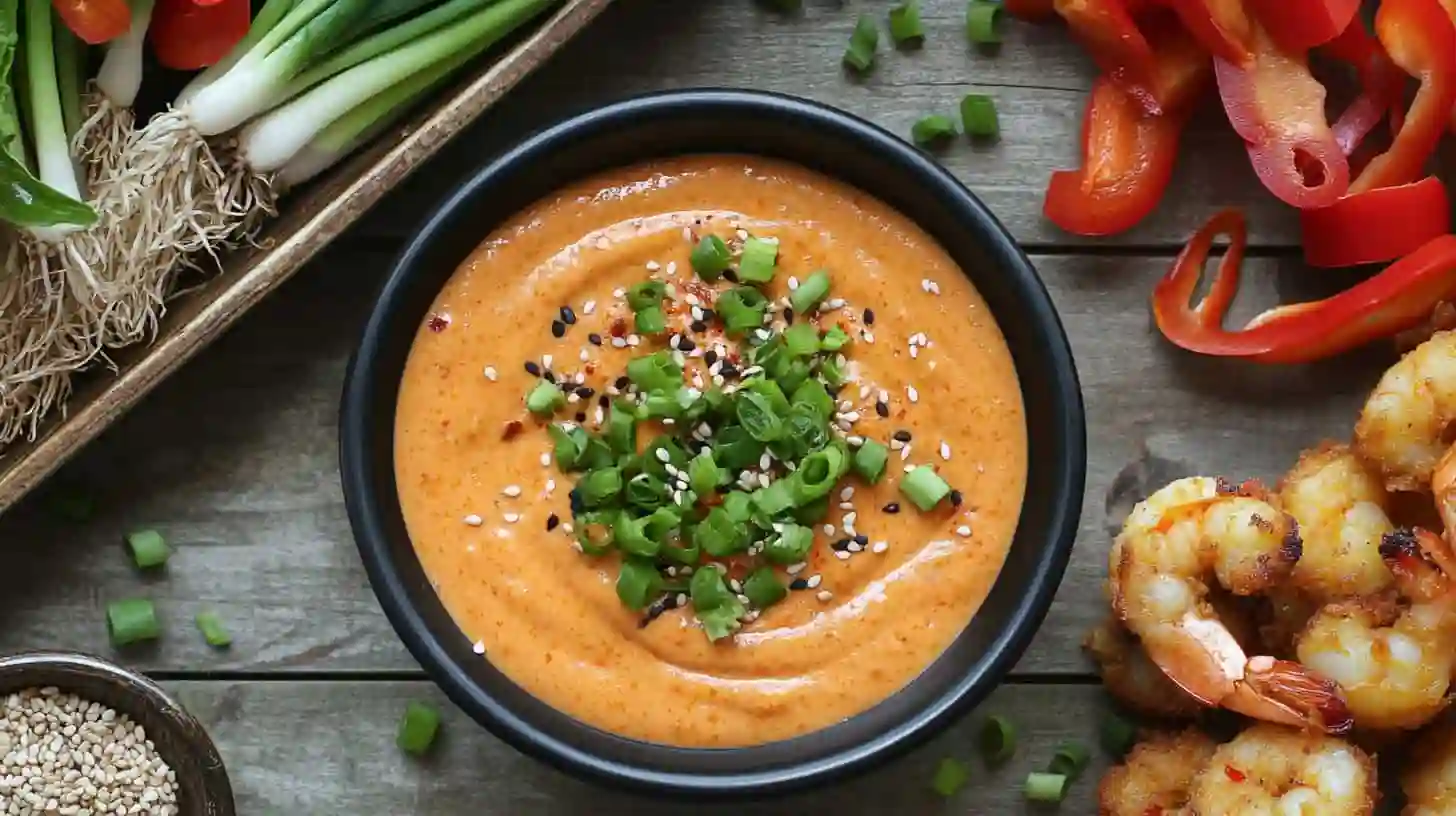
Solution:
(840, 146)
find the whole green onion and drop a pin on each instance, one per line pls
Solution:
(704, 475)
(1069, 760)
(1044, 787)
(933, 130)
(950, 776)
(710, 258)
(756, 265)
(213, 631)
(924, 487)
(905, 27)
(643, 295)
(600, 487)
(997, 740)
(148, 548)
(545, 399)
(655, 372)
(983, 20)
(637, 583)
(763, 588)
(719, 535)
(801, 340)
(814, 288)
(979, 118)
(417, 728)
(869, 461)
(742, 309)
(790, 546)
(834, 339)
(132, 621)
(651, 320)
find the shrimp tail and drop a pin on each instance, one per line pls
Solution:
(1286, 692)
(1421, 561)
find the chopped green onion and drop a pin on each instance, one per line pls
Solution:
(932, 130)
(596, 455)
(997, 740)
(1070, 759)
(717, 608)
(674, 550)
(148, 548)
(545, 399)
(710, 258)
(758, 260)
(417, 729)
(1045, 787)
(801, 340)
(647, 491)
(790, 546)
(795, 375)
(859, 58)
(704, 475)
(637, 582)
(720, 535)
(869, 461)
(674, 403)
(213, 631)
(648, 293)
(924, 487)
(810, 292)
(621, 432)
(651, 320)
(738, 505)
(757, 416)
(655, 372)
(833, 373)
(979, 118)
(777, 498)
(860, 55)
(983, 22)
(596, 532)
(805, 431)
(132, 621)
(813, 395)
(721, 621)
(763, 588)
(834, 339)
(814, 512)
(905, 27)
(950, 776)
(569, 446)
(1118, 735)
(819, 472)
(639, 536)
(600, 487)
(735, 449)
(742, 309)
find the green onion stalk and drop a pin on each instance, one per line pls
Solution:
(110, 124)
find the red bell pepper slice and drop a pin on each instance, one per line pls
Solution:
(1299, 25)
(1382, 84)
(1421, 39)
(1033, 10)
(1376, 226)
(1278, 107)
(1221, 26)
(191, 34)
(1400, 298)
(1112, 38)
(95, 21)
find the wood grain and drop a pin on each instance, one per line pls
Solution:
(328, 748)
(234, 460)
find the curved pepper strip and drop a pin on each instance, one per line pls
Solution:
(1220, 26)
(1381, 84)
(1398, 299)
(1421, 39)
(1299, 25)
(1376, 226)
(1112, 38)
(1278, 107)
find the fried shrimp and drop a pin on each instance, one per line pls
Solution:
(1172, 545)
(1273, 770)
(1134, 680)
(1157, 777)
(1393, 655)
(1341, 509)
(1402, 428)
(1429, 781)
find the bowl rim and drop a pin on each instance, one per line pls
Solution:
(364, 507)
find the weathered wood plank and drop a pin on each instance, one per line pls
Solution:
(328, 747)
(1039, 79)
(235, 461)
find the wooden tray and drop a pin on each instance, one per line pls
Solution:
(309, 222)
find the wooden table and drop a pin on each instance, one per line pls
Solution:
(234, 460)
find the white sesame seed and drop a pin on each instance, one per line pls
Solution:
(842, 555)
(814, 581)
(868, 337)
(914, 352)
(652, 266)
(896, 444)
(588, 307)
(545, 460)
(662, 455)
(741, 234)
(835, 303)
(479, 647)
(619, 342)
(880, 547)
(945, 451)
(765, 461)
(855, 441)
(633, 340)
(846, 505)
(793, 283)
(550, 485)
(566, 528)
(850, 416)
(546, 360)
(511, 518)
(849, 518)
(573, 398)
(963, 531)
(855, 546)
(847, 493)
(795, 569)
(490, 373)
(828, 529)
(473, 520)
(825, 595)
(904, 453)
(912, 394)
(512, 490)
(763, 480)
(672, 267)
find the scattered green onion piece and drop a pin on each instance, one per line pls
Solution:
(710, 258)
(735, 449)
(655, 372)
(834, 339)
(777, 498)
(621, 431)
(811, 291)
(720, 622)
(545, 399)
(805, 431)
(596, 532)
(859, 58)
(979, 118)
(417, 729)
(869, 461)
(790, 546)
(719, 535)
(924, 487)
(742, 309)
(1118, 735)
(648, 293)
(756, 415)
(637, 582)
(738, 505)
(950, 776)
(1070, 759)
(148, 548)
(596, 455)
(651, 320)
(905, 27)
(1045, 787)
(813, 395)
(763, 588)
(833, 373)
(704, 475)
(756, 265)
(600, 487)
(768, 389)
(569, 446)
(933, 130)
(794, 376)
(818, 473)
(860, 55)
(132, 621)
(213, 631)
(814, 512)
(686, 554)
(632, 536)
(983, 22)
(674, 403)
(997, 740)
(801, 340)
(717, 608)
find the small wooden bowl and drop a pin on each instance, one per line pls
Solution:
(202, 781)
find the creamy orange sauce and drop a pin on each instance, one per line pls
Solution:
(547, 615)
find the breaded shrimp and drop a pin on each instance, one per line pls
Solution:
(1157, 776)
(1392, 655)
(1402, 428)
(1134, 680)
(1429, 781)
(1341, 509)
(1270, 769)
(1171, 547)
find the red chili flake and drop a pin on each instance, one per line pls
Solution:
(511, 430)
(619, 327)
(438, 322)
(1234, 773)
(591, 367)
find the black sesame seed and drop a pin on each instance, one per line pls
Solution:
(568, 316)
(698, 326)
(892, 508)
(550, 377)
(901, 435)
(956, 498)
(604, 401)
(710, 357)
(558, 329)
(841, 545)
(581, 416)
(709, 314)
(532, 368)
(789, 316)
(869, 317)
(730, 275)
(576, 505)
(686, 345)
(798, 583)
(882, 409)
(622, 382)
(551, 522)
(729, 371)
(594, 338)
(585, 391)
(862, 540)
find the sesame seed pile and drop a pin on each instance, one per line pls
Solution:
(61, 755)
